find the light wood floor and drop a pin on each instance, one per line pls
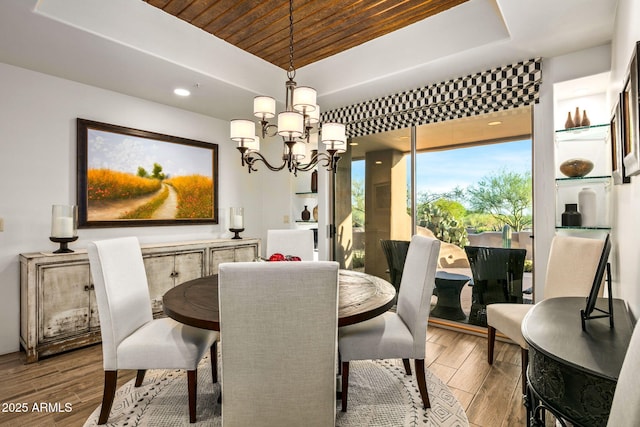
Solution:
(490, 395)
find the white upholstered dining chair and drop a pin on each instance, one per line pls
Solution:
(131, 337)
(278, 324)
(401, 334)
(291, 242)
(625, 409)
(571, 271)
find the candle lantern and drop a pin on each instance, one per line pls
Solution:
(64, 226)
(236, 221)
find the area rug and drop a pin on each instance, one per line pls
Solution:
(380, 394)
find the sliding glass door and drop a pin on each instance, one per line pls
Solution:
(422, 181)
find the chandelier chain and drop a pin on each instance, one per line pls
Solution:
(291, 73)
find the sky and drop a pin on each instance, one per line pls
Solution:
(442, 171)
(125, 153)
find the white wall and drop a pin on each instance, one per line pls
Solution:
(38, 169)
(626, 197)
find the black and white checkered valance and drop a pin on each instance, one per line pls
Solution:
(501, 88)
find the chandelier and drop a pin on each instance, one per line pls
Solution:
(294, 125)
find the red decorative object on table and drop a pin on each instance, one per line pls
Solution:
(280, 257)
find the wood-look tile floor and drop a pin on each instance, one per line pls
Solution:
(70, 385)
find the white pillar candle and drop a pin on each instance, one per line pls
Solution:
(63, 221)
(236, 218)
(63, 227)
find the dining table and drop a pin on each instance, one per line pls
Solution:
(361, 296)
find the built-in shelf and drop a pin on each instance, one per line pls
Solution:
(308, 193)
(306, 222)
(591, 142)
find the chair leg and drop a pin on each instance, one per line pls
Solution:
(214, 362)
(422, 383)
(140, 377)
(192, 385)
(491, 342)
(407, 366)
(110, 383)
(345, 384)
(524, 356)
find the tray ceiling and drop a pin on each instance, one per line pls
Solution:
(322, 28)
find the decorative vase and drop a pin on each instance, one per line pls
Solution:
(571, 217)
(569, 123)
(315, 213)
(585, 120)
(306, 214)
(314, 181)
(576, 118)
(587, 207)
(575, 168)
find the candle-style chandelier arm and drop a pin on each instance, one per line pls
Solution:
(249, 158)
(328, 160)
(267, 129)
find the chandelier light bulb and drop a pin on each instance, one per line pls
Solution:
(333, 134)
(264, 107)
(290, 124)
(242, 130)
(314, 116)
(304, 99)
(253, 145)
(299, 150)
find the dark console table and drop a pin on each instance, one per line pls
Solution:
(573, 373)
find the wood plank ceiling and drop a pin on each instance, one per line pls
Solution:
(322, 28)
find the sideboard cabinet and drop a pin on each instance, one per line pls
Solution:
(58, 309)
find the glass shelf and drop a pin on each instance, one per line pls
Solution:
(584, 133)
(307, 193)
(567, 227)
(301, 221)
(585, 178)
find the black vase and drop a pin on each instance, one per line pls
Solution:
(306, 214)
(571, 217)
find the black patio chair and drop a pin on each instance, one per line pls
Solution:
(497, 277)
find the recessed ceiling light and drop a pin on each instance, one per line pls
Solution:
(378, 162)
(353, 143)
(494, 123)
(181, 92)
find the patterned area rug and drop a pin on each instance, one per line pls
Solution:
(380, 394)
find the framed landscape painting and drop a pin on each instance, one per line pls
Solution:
(131, 177)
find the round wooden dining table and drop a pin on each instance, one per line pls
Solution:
(361, 297)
